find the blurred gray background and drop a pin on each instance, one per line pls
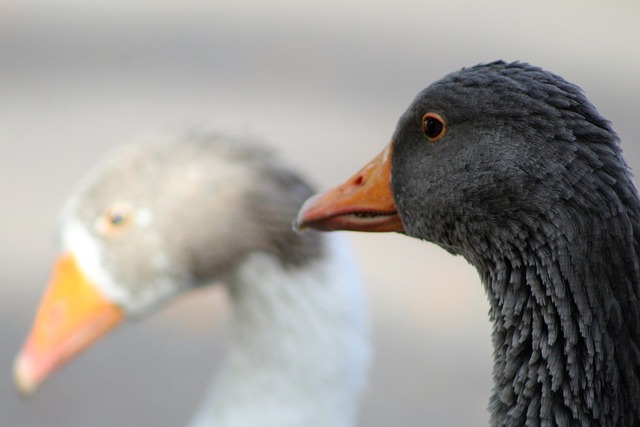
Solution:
(323, 82)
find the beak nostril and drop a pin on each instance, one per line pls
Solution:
(358, 180)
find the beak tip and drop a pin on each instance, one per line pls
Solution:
(299, 226)
(26, 384)
(301, 223)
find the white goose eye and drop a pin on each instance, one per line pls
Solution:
(116, 219)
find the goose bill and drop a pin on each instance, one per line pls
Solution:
(72, 315)
(363, 203)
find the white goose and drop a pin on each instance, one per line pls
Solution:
(154, 222)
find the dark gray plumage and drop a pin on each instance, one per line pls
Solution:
(528, 183)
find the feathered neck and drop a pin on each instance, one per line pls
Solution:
(564, 292)
(299, 345)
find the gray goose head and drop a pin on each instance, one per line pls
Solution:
(513, 168)
(155, 221)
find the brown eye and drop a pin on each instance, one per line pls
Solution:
(117, 217)
(433, 126)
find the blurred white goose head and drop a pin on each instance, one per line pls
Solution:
(155, 221)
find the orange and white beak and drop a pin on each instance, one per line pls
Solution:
(363, 203)
(72, 315)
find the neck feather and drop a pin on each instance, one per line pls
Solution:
(566, 325)
(299, 345)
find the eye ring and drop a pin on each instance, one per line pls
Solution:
(433, 126)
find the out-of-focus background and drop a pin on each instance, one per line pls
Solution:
(324, 83)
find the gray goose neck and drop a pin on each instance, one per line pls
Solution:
(566, 323)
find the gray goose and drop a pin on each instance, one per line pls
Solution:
(153, 222)
(511, 167)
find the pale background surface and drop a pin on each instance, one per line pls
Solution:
(324, 82)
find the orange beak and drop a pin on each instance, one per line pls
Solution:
(363, 203)
(71, 316)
